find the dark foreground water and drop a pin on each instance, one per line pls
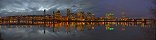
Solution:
(80, 31)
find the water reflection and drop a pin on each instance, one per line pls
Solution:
(0, 37)
(78, 26)
(78, 31)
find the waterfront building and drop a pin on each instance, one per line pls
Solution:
(90, 16)
(57, 15)
(110, 16)
(123, 17)
(80, 16)
(71, 17)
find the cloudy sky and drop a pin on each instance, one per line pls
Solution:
(132, 8)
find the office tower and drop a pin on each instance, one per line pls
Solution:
(57, 15)
(90, 16)
(68, 12)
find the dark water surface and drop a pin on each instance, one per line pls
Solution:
(80, 31)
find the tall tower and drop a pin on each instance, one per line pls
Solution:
(44, 12)
(44, 16)
(123, 15)
(124, 18)
(68, 12)
(57, 15)
(110, 15)
(53, 15)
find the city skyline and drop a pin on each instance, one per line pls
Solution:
(77, 19)
(65, 13)
(57, 17)
(135, 8)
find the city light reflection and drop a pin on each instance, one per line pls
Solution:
(80, 26)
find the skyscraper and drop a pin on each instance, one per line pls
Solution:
(90, 16)
(110, 16)
(80, 16)
(58, 15)
(68, 12)
(123, 14)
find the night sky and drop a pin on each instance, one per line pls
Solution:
(132, 8)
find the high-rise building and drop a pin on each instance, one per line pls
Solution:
(90, 16)
(123, 14)
(80, 16)
(44, 12)
(57, 15)
(72, 16)
(68, 12)
(110, 16)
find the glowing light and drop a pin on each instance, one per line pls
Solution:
(111, 29)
